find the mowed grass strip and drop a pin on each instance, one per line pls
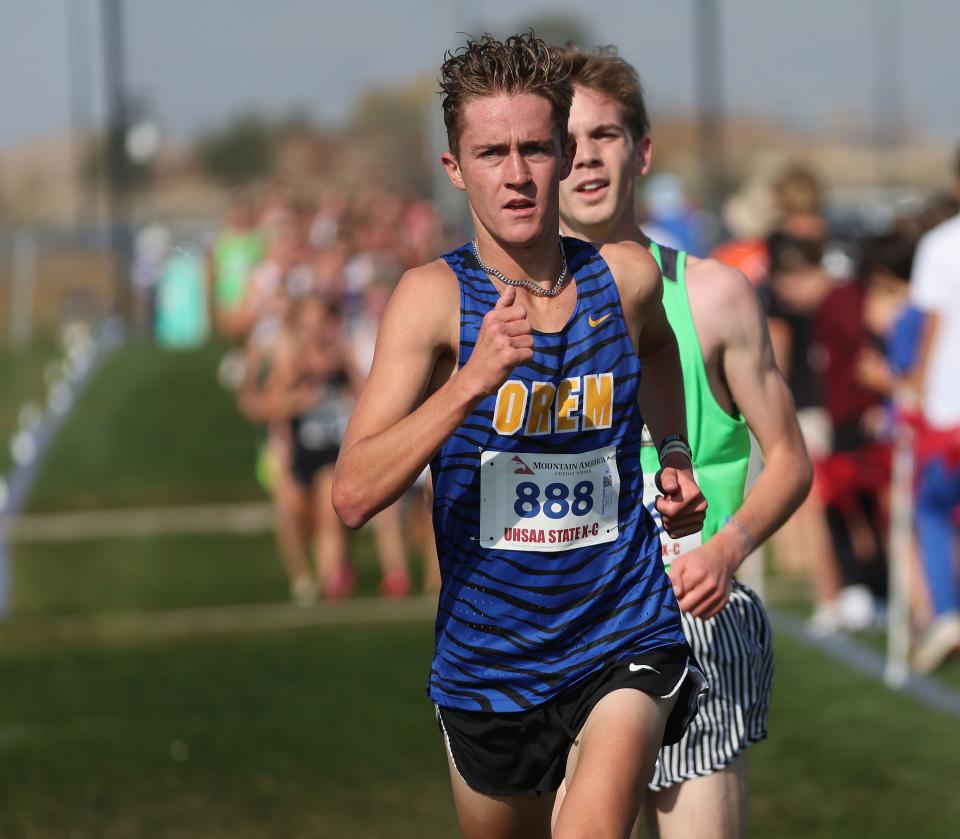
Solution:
(325, 732)
(153, 428)
(93, 577)
(161, 572)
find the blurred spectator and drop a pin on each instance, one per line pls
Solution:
(312, 383)
(273, 467)
(935, 291)
(797, 287)
(387, 525)
(151, 249)
(323, 281)
(181, 316)
(237, 248)
(749, 215)
(671, 218)
(285, 272)
(852, 482)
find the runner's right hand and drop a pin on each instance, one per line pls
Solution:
(504, 343)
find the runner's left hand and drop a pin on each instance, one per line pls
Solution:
(682, 506)
(702, 579)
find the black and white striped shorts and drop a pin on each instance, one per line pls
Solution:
(735, 650)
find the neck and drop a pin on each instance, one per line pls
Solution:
(619, 229)
(539, 260)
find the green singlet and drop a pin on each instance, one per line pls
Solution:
(720, 442)
(234, 254)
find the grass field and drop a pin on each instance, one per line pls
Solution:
(163, 572)
(22, 376)
(153, 428)
(320, 731)
(326, 733)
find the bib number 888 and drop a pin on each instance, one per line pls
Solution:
(556, 503)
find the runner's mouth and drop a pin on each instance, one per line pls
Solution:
(592, 186)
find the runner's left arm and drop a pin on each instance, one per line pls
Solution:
(702, 577)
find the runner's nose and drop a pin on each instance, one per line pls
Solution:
(518, 169)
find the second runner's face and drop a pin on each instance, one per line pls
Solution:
(510, 162)
(600, 189)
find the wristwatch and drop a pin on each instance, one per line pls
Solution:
(671, 444)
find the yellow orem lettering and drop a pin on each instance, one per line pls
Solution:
(511, 403)
(541, 403)
(597, 400)
(568, 401)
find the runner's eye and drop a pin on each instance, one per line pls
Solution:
(535, 150)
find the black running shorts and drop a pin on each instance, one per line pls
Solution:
(525, 752)
(307, 462)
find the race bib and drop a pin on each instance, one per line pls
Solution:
(548, 502)
(671, 548)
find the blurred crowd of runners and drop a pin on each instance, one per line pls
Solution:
(298, 284)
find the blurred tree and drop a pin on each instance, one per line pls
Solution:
(389, 126)
(132, 174)
(239, 152)
(251, 147)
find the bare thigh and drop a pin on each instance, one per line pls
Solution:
(610, 765)
(711, 807)
(499, 817)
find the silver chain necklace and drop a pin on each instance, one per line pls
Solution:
(528, 284)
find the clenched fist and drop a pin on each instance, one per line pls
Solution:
(682, 506)
(504, 342)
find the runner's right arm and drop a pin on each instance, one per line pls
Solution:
(395, 430)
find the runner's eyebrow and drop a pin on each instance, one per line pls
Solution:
(607, 126)
(483, 147)
(480, 148)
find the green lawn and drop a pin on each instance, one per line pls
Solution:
(325, 733)
(22, 378)
(320, 732)
(313, 734)
(163, 572)
(153, 428)
(167, 572)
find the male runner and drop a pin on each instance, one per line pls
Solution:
(512, 366)
(731, 384)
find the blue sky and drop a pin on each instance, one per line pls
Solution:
(199, 61)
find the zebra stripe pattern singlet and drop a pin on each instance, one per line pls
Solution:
(550, 563)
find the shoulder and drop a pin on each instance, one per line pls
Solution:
(720, 284)
(937, 249)
(631, 259)
(426, 287)
(944, 235)
(428, 296)
(634, 270)
(723, 296)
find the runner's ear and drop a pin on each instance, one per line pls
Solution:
(452, 168)
(643, 149)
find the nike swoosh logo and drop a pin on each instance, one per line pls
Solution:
(598, 321)
(635, 667)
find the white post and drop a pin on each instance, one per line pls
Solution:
(897, 668)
